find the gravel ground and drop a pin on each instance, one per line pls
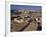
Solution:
(18, 26)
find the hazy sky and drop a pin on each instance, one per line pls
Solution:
(13, 7)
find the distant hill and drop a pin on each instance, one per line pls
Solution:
(17, 11)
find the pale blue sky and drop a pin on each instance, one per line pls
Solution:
(18, 7)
